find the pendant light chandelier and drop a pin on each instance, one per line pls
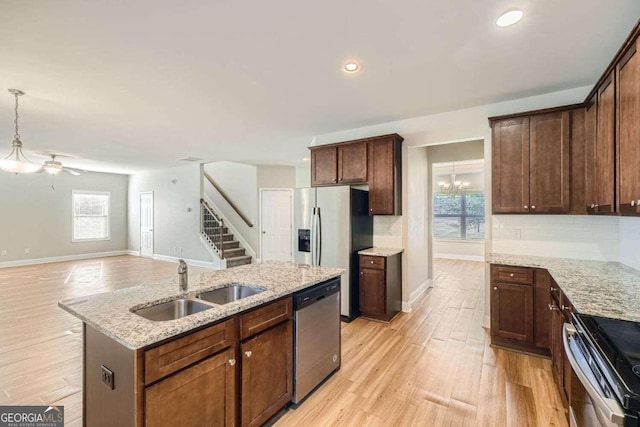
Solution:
(453, 186)
(16, 161)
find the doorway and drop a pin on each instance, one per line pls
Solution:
(146, 224)
(276, 222)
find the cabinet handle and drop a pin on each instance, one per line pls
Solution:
(593, 205)
(232, 362)
(554, 289)
(371, 262)
(526, 206)
(633, 202)
(495, 288)
(248, 353)
(334, 180)
(533, 206)
(511, 275)
(638, 202)
(361, 273)
(596, 205)
(565, 307)
(553, 307)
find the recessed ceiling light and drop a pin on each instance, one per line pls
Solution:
(509, 18)
(351, 67)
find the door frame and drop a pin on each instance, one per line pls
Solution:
(153, 218)
(260, 199)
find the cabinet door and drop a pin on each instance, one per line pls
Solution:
(512, 311)
(549, 171)
(628, 114)
(577, 162)
(542, 298)
(372, 291)
(510, 166)
(557, 346)
(202, 395)
(605, 144)
(352, 163)
(267, 374)
(590, 128)
(324, 166)
(384, 167)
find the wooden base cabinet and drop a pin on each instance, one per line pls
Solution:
(380, 286)
(202, 395)
(267, 374)
(519, 308)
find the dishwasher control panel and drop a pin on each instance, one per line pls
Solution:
(315, 293)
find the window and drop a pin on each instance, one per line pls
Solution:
(458, 216)
(90, 215)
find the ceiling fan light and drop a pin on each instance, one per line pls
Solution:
(53, 170)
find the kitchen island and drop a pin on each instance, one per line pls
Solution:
(229, 364)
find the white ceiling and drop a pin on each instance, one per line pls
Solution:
(134, 85)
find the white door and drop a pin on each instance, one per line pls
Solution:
(276, 223)
(146, 224)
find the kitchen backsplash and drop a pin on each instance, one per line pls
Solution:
(387, 231)
(566, 236)
(629, 249)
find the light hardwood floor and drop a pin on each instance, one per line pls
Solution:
(432, 367)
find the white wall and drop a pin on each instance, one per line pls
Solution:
(303, 176)
(629, 248)
(461, 125)
(240, 182)
(176, 212)
(34, 216)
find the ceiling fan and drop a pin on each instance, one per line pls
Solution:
(54, 167)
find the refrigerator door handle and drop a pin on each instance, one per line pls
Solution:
(316, 237)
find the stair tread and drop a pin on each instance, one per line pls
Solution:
(236, 258)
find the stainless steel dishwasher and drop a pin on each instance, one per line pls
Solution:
(317, 336)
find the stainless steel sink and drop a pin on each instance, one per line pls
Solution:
(229, 293)
(172, 310)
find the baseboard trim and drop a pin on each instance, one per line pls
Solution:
(486, 322)
(194, 262)
(407, 305)
(460, 257)
(133, 253)
(48, 260)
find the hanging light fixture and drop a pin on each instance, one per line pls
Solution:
(16, 161)
(453, 186)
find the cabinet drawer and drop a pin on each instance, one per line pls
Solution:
(503, 273)
(368, 261)
(177, 354)
(265, 317)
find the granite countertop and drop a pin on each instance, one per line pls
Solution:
(110, 313)
(380, 251)
(598, 288)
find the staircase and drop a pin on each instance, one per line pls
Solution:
(219, 239)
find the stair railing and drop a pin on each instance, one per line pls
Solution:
(211, 228)
(228, 200)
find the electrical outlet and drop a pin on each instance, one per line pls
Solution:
(517, 234)
(181, 250)
(107, 377)
(26, 250)
(3, 253)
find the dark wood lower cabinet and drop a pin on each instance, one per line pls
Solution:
(267, 374)
(512, 312)
(519, 308)
(372, 291)
(202, 395)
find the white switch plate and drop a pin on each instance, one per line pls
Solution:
(26, 250)
(3, 253)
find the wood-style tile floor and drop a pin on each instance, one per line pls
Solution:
(431, 367)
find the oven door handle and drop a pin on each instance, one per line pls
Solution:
(610, 408)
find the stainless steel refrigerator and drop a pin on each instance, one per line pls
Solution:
(331, 225)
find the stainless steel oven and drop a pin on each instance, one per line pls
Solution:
(604, 354)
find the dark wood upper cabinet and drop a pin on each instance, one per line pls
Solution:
(324, 166)
(510, 166)
(385, 176)
(549, 172)
(531, 165)
(628, 131)
(352, 163)
(605, 147)
(590, 130)
(577, 184)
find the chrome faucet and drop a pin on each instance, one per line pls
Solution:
(182, 276)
